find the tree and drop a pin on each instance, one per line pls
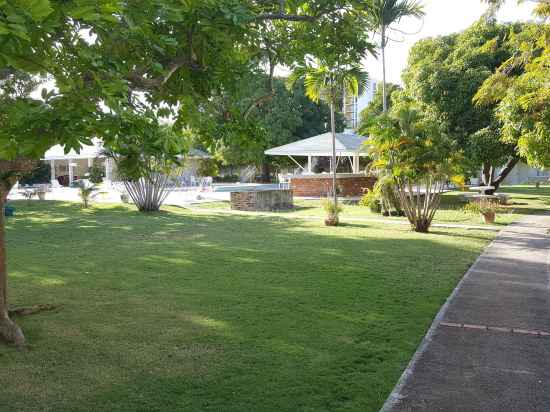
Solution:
(111, 59)
(286, 117)
(444, 74)
(410, 149)
(376, 105)
(519, 88)
(330, 83)
(383, 14)
(148, 159)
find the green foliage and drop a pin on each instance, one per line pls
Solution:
(40, 174)
(409, 144)
(372, 201)
(444, 74)
(208, 167)
(519, 87)
(375, 106)
(96, 173)
(330, 207)
(329, 84)
(85, 192)
(483, 206)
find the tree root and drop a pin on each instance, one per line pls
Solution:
(11, 333)
(31, 310)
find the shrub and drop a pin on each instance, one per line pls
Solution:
(85, 192)
(483, 206)
(372, 201)
(40, 174)
(95, 173)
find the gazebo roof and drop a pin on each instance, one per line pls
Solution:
(347, 144)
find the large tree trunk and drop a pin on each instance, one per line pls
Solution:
(9, 331)
(488, 174)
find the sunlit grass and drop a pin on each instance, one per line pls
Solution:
(189, 311)
(523, 199)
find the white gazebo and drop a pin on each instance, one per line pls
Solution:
(348, 145)
(76, 164)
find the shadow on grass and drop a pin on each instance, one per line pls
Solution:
(310, 312)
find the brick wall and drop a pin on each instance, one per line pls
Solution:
(319, 187)
(262, 200)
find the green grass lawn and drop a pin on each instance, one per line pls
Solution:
(175, 311)
(207, 312)
(523, 200)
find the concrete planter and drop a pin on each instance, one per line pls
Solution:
(332, 220)
(489, 217)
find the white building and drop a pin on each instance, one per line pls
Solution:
(68, 167)
(522, 173)
(353, 105)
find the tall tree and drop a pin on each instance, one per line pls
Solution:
(376, 105)
(520, 90)
(383, 15)
(330, 84)
(444, 74)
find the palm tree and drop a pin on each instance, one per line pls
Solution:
(329, 84)
(383, 14)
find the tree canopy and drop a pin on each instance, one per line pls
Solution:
(445, 73)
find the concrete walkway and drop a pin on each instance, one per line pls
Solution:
(489, 347)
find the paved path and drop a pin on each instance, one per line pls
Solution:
(489, 347)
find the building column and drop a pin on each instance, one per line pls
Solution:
(90, 162)
(309, 165)
(355, 164)
(53, 178)
(108, 170)
(71, 171)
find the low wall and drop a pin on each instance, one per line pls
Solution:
(262, 200)
(349, 185)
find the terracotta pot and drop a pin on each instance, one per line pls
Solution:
(331, 220)
(488, 217)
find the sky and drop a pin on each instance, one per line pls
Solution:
(442, 17)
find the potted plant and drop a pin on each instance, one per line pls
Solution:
(486, 207)
(332, 212)
(9, 210)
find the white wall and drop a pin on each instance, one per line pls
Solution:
(521, 173)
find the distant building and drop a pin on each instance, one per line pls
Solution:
(353, 105)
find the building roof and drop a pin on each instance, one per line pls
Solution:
(57, 152)
(347, 144)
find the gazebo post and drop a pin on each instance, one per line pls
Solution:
(53, 178)
(71, 174)
(108, 171)
(356, 164)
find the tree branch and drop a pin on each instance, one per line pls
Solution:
(265, 97)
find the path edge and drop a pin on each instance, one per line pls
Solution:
(395, 395)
